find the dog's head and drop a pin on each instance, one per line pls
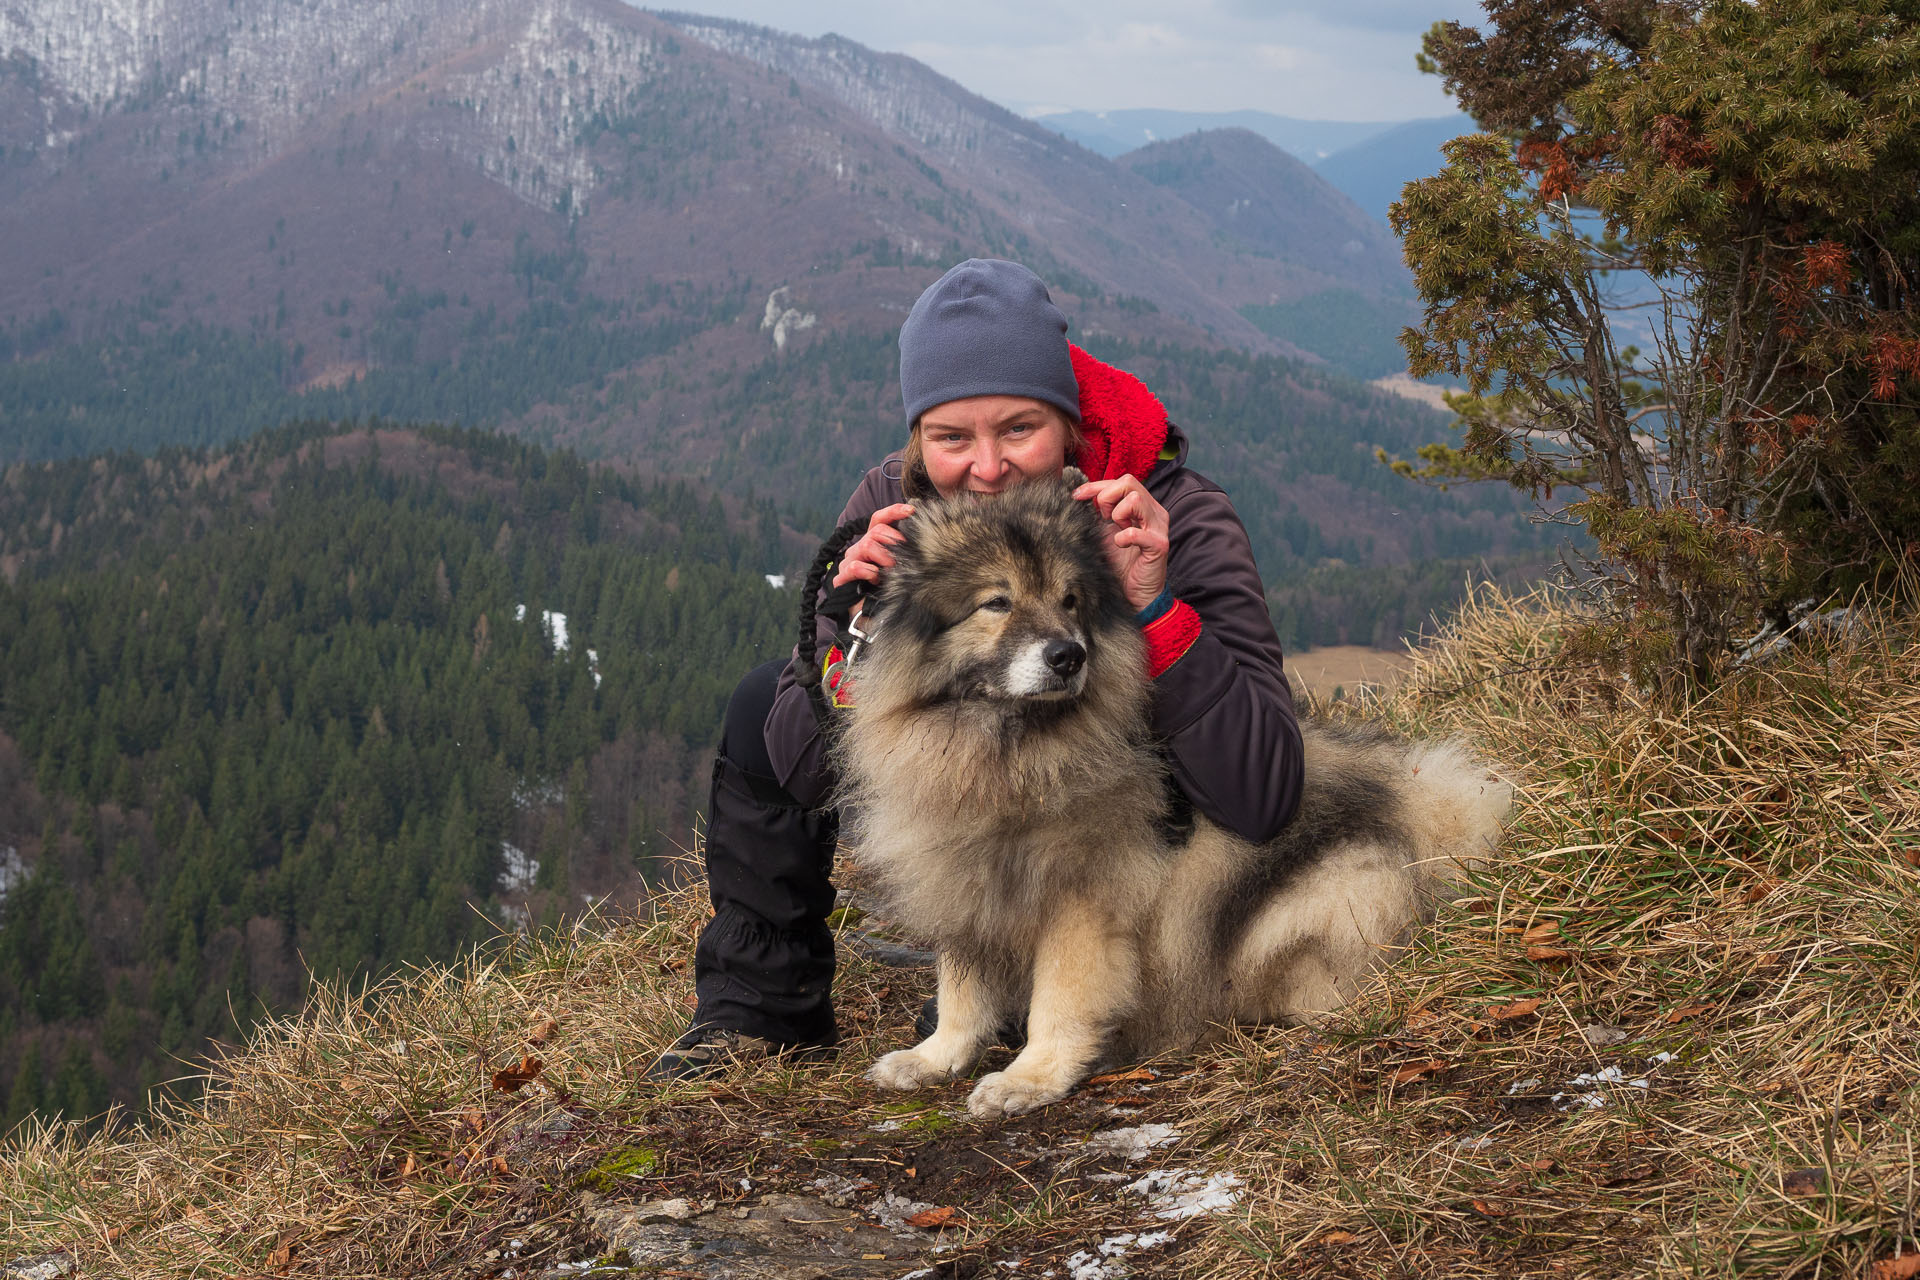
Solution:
(1007, 600)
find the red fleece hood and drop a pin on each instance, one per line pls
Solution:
(1124, 425)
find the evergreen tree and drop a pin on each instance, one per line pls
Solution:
(1753, 170)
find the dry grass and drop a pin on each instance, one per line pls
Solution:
(1734, 885)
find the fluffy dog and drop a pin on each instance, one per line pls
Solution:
(998, 775)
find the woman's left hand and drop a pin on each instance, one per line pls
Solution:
(1136, 535)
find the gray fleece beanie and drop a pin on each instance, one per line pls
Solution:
(986, 328)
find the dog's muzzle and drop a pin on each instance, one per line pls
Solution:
(1048, 669)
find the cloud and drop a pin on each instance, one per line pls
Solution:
(1314, 59)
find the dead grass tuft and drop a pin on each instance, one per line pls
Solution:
(1717, 903)
(1674, 1029)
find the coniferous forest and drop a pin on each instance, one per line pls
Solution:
(335, 700)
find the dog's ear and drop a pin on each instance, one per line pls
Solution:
(1072, 477)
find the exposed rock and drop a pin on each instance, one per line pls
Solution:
(778, 1237)
(47, 1266)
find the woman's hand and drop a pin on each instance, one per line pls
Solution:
(865, 559)
(1136, 535)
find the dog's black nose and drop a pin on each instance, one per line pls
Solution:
(1063, 657)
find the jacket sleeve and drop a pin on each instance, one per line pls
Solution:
(1224, 707)
(794, 742)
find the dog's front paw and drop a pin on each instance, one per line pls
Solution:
(908, 1069)
(1005, 1094)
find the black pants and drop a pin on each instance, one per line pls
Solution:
(764, 963)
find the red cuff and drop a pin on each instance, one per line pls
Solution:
(1169, 636)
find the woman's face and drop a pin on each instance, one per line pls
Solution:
(984, 444)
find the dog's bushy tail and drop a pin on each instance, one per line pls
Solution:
(1456, 808)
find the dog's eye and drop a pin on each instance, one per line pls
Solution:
(998, 604)
(1072, 601)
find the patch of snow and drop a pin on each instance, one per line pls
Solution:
(518, 868)
(838, 1190)
(1475, 1142)
(1187, 1193)
(593, 665)
(13, 871)
(892, 1211)
(1085, 1266)
(514, 916)
(1103, 1261)
(1134, 1143)
(533, 795)
(554, 621)
(778, 581)
(1662, 1059)
(1521, 1086)
(1593, 1097)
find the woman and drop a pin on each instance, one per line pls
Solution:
(994, 396)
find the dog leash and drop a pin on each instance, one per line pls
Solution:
(809, 674)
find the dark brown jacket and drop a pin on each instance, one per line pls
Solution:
(1223, 711)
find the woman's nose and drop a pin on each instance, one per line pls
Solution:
(986, 460)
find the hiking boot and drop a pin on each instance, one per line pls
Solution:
(1011, 1035)
(706, 1051)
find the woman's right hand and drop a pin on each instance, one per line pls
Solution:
(865, 559)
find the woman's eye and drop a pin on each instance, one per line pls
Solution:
(998, 604)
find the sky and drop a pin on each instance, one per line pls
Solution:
(1311, 59)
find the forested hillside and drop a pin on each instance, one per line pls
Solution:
(338, 699)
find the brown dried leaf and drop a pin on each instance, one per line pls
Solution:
(1518, 1009)
(1904, 1267)
(1549, 955)
(1686, 1011)
(1486, 1210)
(1758, 890)
(1803, 1182)
(1124, 1077)
(1130, 1100)
(1540, 1166)
(409, 1166)
(1415, 1070)
(282, 1258)
(512, 1078)
(1542, 931)
(499, 1165)
(542, 1030)
(933, 1219)
(1338, 1237)
(1623, 1173)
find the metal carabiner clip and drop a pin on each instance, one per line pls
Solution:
(860, 638)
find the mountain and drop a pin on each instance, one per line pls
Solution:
(1373, 170)
(669, 239)
(1270, 204)
(299, 170)
(1260, 197)
(1113, 133)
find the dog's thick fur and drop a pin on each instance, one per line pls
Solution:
(1015, 809)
